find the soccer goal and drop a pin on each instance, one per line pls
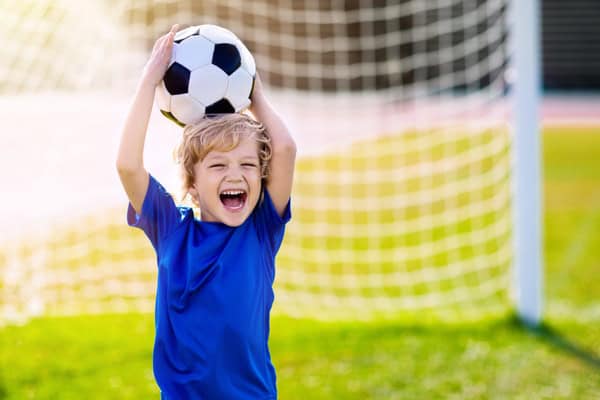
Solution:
(417, 187)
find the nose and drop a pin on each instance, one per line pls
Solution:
(234, 174)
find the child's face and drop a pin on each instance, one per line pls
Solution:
(227, 184)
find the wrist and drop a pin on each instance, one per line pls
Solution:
(149, 78)
(146, 83)
(259, 102)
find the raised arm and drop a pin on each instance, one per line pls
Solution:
(279, 183)
(130, 158)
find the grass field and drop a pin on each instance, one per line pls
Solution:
(109, 356)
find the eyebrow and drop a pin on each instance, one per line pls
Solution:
(213, 157)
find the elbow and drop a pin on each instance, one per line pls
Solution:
(287, 148)
(128, 164)
(126, 168)
(121, 167)
(290, 148)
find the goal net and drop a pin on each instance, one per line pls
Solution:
(402, 196)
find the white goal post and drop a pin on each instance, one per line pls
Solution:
(527, 201)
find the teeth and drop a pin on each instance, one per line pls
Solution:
(233, 192)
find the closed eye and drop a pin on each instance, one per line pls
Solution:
(249, 165)
(216, 166)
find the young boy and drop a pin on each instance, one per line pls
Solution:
(215, 275)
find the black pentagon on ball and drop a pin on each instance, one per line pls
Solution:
(222, 106)
(227, 57)
(176, 79)
(172, 118)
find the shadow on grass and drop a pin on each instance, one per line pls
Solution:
(553, 337)
(449, 337)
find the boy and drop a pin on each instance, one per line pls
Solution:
(215, 275)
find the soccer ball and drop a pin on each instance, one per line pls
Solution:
(211, 72)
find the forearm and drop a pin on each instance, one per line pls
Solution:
(131, 149)
(130, 157)
(283, 150)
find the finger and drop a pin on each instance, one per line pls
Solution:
(167, 36)
(171, 35)
(157, 44)
(160, 43)
(168, 44)
(167, 50)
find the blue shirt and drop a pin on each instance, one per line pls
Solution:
(213, 299)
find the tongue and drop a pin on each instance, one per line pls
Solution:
(232, 202)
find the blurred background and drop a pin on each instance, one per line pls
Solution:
(396, 277)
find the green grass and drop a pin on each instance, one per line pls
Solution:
(100, 357)
(109, 356)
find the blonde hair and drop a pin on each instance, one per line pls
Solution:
(222, 133)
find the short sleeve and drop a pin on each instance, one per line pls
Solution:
(159, 214)
(270, 224)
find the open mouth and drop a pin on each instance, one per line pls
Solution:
(233, 200)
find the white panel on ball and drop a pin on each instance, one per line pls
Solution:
(182, 34)
(186, 109)
(173, 54)
(194, 52)
(163, 99)
(218, 35)
(208, 84)
(240, 84)
(248, 62)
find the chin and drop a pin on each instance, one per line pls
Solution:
(235, 218)
(235, 221)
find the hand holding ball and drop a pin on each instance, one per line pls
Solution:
(211, 72)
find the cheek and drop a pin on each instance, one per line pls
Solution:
(207, 178)
(256, 178)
